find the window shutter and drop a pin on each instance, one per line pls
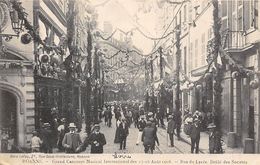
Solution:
(246, 15)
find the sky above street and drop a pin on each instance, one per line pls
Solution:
(128, 14)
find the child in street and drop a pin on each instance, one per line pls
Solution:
(35, 142)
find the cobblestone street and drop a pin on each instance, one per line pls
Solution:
(131, 147)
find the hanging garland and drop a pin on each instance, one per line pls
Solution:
(218, 73)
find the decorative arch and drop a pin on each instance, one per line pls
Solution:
(20, 117)
(16, 91)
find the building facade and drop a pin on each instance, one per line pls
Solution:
(16, 81)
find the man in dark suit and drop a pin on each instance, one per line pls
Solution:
(170, 129)
(46, 136)
(149, 137)
(109, 117)
(178, 120)
(123, 133)
(195, 135)
(71, 141)
(97, 140)
(141, 125)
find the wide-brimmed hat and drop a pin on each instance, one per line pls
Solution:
(196, 119)
(211, 125)
(170, 117)
(151, 119)
(72, 125)
(96, 126)
(148, 123)
(46, 125)
(34, 132)
(150, 114)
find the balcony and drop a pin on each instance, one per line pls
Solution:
(234, 41)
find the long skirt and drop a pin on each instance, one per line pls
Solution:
(117, 138)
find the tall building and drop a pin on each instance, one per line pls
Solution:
(16, 80)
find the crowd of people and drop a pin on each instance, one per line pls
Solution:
(126, 114)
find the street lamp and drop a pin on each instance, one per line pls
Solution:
(17, 19)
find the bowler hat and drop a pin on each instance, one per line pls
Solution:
(148, 123)
(34, 132)
(150, 114)
(96, 125)
(211, 125)
(46, 125)
(72, 125)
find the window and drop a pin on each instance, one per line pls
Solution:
(246, 15)
(190, 13)
(210, 33)
(185, 59)
(184, 13)
(224, 8)
(254, 13)
(179, 17)
(203, 49)
(196, 53)
(191, 55)
(224, 15)
(240, 17)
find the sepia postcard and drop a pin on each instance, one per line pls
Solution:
(170, 82)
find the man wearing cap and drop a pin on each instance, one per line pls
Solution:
(141, 125)
(71, 141)
(170, 129)
(97, 140)
(123, 133)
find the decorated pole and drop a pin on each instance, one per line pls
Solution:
(217, 73)
(96, 78)
(178, 54)
(87, 104)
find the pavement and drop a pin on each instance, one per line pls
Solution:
(181, 146)
(204, 143)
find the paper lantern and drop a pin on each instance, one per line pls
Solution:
(26, 38)
(199, 87)
(254, 84)
(44, 58)
(235, 74)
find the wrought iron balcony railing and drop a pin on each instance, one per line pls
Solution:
(233, 39)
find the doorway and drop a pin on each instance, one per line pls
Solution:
(8, 120)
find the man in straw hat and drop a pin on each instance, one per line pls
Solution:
(71, 141)
(97, 140)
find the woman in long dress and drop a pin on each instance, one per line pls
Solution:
(117, 138)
